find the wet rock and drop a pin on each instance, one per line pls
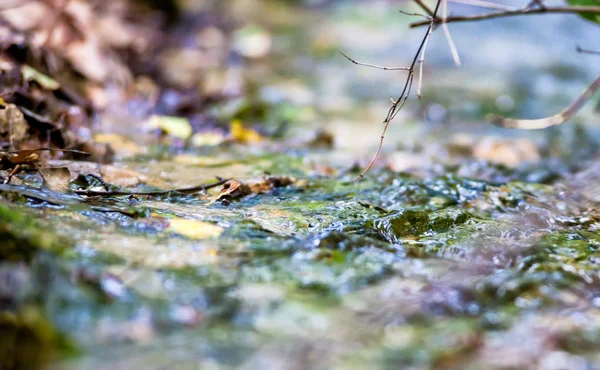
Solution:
(411, 224)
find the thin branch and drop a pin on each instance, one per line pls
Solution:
(191, 190)
(424, 6)
(374, 65)
(557, 119)
(453, 49)
(422, 59)
(587, 51)
(511, 13)
(399, 103)
(44, 150)
(414, 14)
(484, 4)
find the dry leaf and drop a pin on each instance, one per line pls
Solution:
(234, 189)
(114, 175)
(194, 229)
(56, 178)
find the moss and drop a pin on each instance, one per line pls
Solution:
(22, 236)
(412, 223)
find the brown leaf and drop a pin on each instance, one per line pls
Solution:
(56, 178)
(25, 156)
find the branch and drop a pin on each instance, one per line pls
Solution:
(557, 119)
(424, 6)
(399, 103)
(374, 65)
(587, 51)
(511, 13)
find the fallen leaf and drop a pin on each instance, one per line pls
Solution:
(56, 178)
(25, 156)
(175, 126)
(233, 189)
(194, 229)
(243, 135)
(114, 175)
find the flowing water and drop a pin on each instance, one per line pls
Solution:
(438, 259)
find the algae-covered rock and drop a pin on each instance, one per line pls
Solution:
(410, 223)
(22, 237)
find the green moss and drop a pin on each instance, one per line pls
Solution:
(22, 236)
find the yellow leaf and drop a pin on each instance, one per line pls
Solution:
(194, 229)
(244, 135)
(175, 126)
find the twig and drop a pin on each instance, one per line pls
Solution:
(414, 14)
(424, 6)
(511, 13)
(557, 119)
(191, 190)
(453, 49)
(374, 65)
(484, 4)
(587, 51)
(44, 149)
(399, 103)
(12, 173)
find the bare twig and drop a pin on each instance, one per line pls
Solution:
(587, 51)
(374, 65)
(512, 13)
(424, 6)
(414, 14)
(484, 4)
(12, 173)
(453, 49)
(44, 150)
(557, 119)
(399, 103)
(190, 190)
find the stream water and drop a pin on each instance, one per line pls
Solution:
(452, 253)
